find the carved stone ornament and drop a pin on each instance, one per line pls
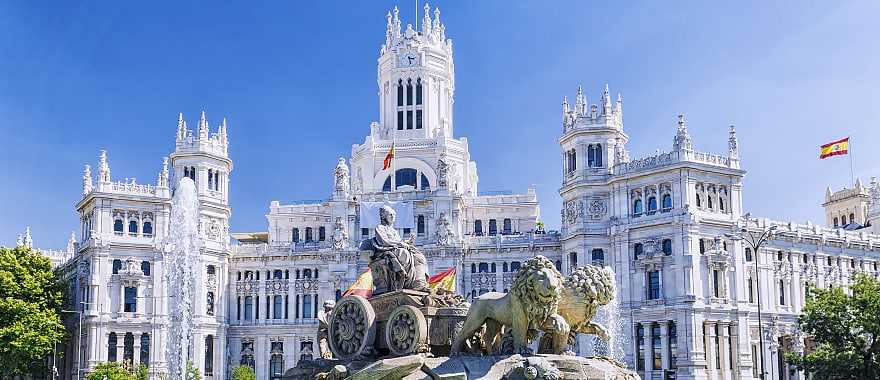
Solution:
(444, 230)
(597, 208)
(443, 170)
(574, 210)
(213, 229)
(340, 237)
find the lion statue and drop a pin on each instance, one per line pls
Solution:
(585, 290)
(530, 306)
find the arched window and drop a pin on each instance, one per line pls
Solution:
(572, 259)
(405, 177)
(667, 202)
(781, 292)
(295, 235)
(426, 185)
(418, 91)
(148, 228)
(211, 179)
(572, 160)
(307, 273)
(478, 227)
(473, 268)
(111, 347)
(277, 274)
(598, 149)
(836, 222)
(145, 349)
(843, 221)
(494, 268)
(514, 266)
(420, 225)
(145, 267)
(709, 201)
(594, 155)
(128, 348)
(322, 233)
(507, 228)
(118, 226)
(559, 265)
(652, 204)
(133, 227)
(276, 362)
(209, 355)
(504, 267)
(637, 250)
(749, 254)
(399, 95)
(278, 307)
(699, 200)
(484, 268)
(248, 308)
(667, 247)
(637, 207)
(117, 265)
(597, 256)
(852, 218)
(702, 246)
(211, 269)
(309, 237)
(493, 227)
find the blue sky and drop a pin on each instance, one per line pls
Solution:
(296, 81)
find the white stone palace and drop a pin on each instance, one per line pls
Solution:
(688, 290)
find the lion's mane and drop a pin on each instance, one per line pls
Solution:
(537, 308)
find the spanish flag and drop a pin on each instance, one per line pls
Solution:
(443, 280)
(387, 163)
(834, 148)
(363, 286)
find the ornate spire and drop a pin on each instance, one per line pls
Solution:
(103, 168)
(181, 127)
(618, 107)
(580, 102)
(71, 243)
(389, 30)
(87, 180)
(426, 20)
(163, 175)
(682, 139)
(732, 143)
(606, 102)
(203, 127)
(436, 18)
(28, 240)
(396, 27)
(222, 131)
(19, 241)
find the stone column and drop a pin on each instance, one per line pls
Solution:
(735, 349)
(664, 343)
(271, 307)
(120, 347)
(646, 343)
(136, 350)
(724, 350)
(709, 329)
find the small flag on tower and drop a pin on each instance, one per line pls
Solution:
(390, 156)
(834, 148)
(443, 280)
(363, 286)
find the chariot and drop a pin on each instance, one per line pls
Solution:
(397, 323)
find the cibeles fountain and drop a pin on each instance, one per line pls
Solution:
(181, 255)
(406, 330)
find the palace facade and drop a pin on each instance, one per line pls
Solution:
(688, 290)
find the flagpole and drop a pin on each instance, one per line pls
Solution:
(852, 176)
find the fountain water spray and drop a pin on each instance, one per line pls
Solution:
(181, 258)
(609, 317)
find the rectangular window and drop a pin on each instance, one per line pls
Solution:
(418, 119)
(781, 292)
(493, 227)
(755, 361)
(673, 345)
(365, 232)
(717, 347)
(409, 120)
(656, 353)
(653, 285)
(640, 348)
(716, 288)
(399, 120)
(730, 345)
(407, 232)
(130, 299)
(751, 291)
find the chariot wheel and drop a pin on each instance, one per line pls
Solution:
(406, 331)
(352, 327)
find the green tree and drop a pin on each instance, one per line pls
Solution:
(846, 331)
(192, 373)
(30, 306)
(243, 372)
(111, 371)
(142, 373)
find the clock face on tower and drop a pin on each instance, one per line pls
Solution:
(409, 59)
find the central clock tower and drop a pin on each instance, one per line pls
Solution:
(416, 79)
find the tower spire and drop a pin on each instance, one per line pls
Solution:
(203, 127)
(606, 102)
(426, 21)
(87, 180)
(181, 127)
(682, 140)
(103, 168)
(163, 175)
(732, 143)
(396, 27)
(71, 243)
(580, 102)
(28, 239)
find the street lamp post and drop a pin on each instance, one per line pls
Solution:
(78, 344)
(755, 240)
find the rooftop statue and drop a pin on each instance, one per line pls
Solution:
(396, 263)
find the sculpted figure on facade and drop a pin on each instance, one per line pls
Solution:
(443, 169)
(444, 230)
(323, 329)
(340, 237)
(396, 263)
(530, 307)
(341, 174)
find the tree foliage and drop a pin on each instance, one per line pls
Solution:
(112, 371)
(846, 331)
(30, 304)
(192, 373)
(243, 372)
